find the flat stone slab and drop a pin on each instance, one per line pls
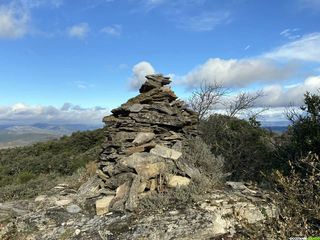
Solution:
(143, 137)
(102, 205)
(166, 152)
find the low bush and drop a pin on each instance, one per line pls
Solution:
(297, 198)
(247, 148)
(28, 189)
(211, 167)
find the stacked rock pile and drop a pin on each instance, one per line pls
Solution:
(142, 153)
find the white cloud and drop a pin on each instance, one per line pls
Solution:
(307, 48)
(79, 31)
(204, 22)
(290, 33)
(140, 70)
(114, 30)
(282, 96)
(16, 15)
(281, 63)
(237, 72)
(13, 21)
(28, 114)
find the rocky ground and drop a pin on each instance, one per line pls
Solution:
(65, 213)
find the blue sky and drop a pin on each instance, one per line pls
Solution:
(73, 61)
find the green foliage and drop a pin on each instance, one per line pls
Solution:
(28, 189)
(25, 176)
(247, 148)
(211, 167)
(298, 202)
(22, 167)
(305, 128)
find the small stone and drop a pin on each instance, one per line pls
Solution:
(166, 152)
(143, 137)
(77, 232)
(136, 107)
(150, 170)
(153, 184)
(73, 208)
(177, 146)
(141, 148)
(40, 198)
(102, 205)
(63, 202)
(177, 181)
(122, 190)
(102, 175)
(174, 136)
(142, 187)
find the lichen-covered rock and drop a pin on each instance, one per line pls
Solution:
(217, 215)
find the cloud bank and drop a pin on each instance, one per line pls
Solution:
(282, 96)
(279, 64)
(237, 72)
(29, 114)
(306, 48)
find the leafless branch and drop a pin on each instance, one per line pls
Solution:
(291, 113)
(243, 101)
(204, 99)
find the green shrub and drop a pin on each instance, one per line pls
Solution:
(211, 167)
(25, 176)
(28, 189)
(21, 167)
(247, 148)
(305, 128)
(298, 201)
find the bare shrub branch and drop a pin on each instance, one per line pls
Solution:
(243, 101)
(204, 99)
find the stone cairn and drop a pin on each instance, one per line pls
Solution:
(142, 153)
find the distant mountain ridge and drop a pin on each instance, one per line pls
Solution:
(22, 135)
(276, 126)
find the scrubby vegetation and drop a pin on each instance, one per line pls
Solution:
(26, 171)
(247, 149)
(290, 168)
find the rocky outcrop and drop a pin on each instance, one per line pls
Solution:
(143, 148)
(218, 215)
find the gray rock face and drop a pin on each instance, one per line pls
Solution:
(142, 145)
(217, 215)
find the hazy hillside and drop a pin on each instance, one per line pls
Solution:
(23, 135)
(26, 171)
